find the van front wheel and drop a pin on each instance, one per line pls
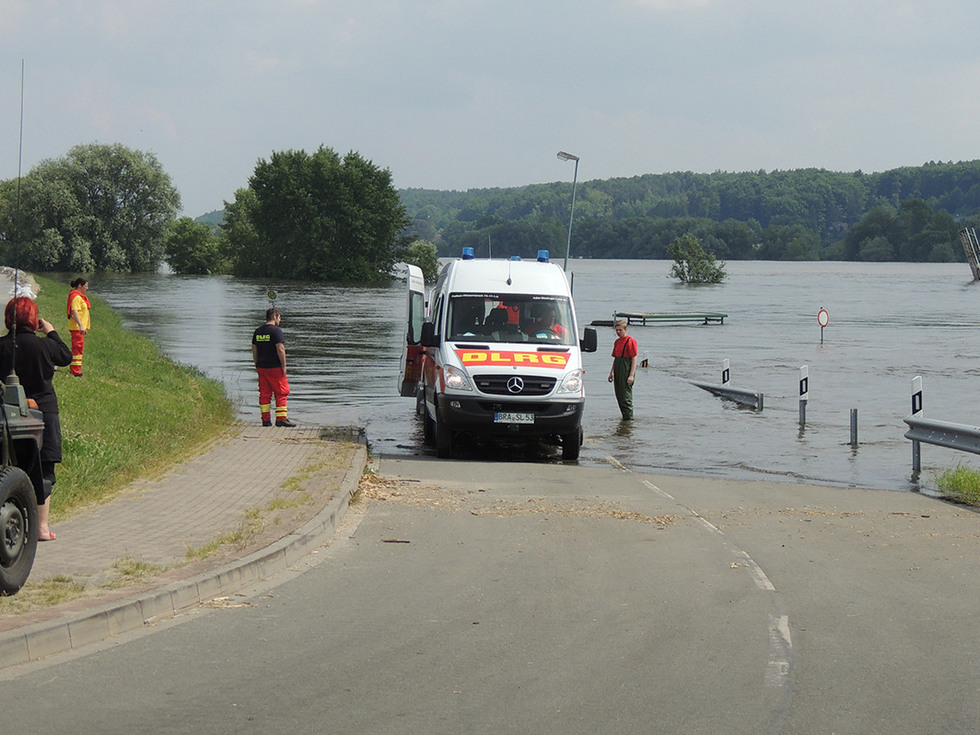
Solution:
(444, 440)
(570, 444)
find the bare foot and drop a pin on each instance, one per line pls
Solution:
(49, 536)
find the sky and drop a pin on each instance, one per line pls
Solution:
(465, 94)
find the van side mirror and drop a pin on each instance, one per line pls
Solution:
(429, 338)
(590, 342)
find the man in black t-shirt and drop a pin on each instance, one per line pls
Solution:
(269, 356)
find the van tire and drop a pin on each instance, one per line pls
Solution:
(444, 440)
(18, 529)
(428, 427)
(570, 444)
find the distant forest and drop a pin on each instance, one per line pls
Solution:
(906, 214)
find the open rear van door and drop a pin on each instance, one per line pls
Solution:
(411, 363)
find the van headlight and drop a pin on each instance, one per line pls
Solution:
(573, 382)
(455, 378)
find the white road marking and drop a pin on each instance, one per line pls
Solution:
(780, 641)
(780, 645)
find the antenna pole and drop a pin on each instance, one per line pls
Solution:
(20, 160)
(12, 377)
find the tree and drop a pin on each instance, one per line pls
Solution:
(191, 248)
(318, 217)
(99, 208)
(240, 242)
(880, 223)
(876, 249)
(423, 254)
(692, 264)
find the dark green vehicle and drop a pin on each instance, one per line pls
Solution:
(21, 486)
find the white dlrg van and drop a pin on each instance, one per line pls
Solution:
(501, 354)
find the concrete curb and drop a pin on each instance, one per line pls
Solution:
(40, 640)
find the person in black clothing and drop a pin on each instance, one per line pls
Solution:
(35, 363)
(269, 356)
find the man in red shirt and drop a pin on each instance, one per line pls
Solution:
(623, 370)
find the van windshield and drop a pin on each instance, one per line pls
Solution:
(511, 318)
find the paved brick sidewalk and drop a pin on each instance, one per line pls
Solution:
(157, 521)
(293, 483)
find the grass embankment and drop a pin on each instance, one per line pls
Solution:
(133, 414)
(961, 484)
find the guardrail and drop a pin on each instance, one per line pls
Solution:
(749, 398)
(941, 433)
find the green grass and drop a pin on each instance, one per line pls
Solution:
(251, 525)
(133, 414)
(961, 484)
(52, 591)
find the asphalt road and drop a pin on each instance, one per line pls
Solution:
(528, 598)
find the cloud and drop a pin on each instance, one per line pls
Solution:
(474, 93)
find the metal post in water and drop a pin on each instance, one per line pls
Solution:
(917, 413)
(854, 427)
(804, 392)
(725, 371)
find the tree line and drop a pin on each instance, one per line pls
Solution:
(326, 217)
(306, 216)
(909, 213)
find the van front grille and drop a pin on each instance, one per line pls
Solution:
(514, 385)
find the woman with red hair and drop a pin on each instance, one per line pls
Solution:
(36, 358)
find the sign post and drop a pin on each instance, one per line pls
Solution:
(916, 413)
(823, 319)
(804, 392)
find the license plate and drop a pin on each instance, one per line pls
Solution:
(513, 418)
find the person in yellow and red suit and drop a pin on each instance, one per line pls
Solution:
(79, 322)
(269, 356)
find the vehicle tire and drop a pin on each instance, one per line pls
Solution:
(428, 427)
(444, 439)
(570, 444)
(18, 528)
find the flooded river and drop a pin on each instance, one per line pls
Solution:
(888, 324)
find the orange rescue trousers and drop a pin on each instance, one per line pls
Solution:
(272, 382)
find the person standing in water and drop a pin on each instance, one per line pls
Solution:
(623, 370)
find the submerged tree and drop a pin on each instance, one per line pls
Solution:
(692, 264)
(423, 254)
(316, 216)
(192, 248)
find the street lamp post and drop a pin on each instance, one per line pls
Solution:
(568, 246)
